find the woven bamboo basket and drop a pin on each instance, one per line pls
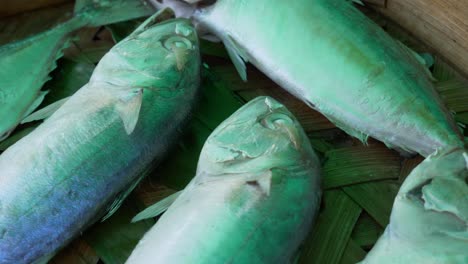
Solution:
(359, 181)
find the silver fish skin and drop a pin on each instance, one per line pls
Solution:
(339, 62)
(254, 197)
(429, 220)
(25, 64)
(62, 177)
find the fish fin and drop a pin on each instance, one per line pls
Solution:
(15, 58)
(45, 112)
(425, 59)
(261, 181)
(129, 107)
(181, 58)
(211, 38)
(461, 127)
(428, 59)
(115, 205)
(265, 183)
(6, 134)
(157, 208)
(465, 154)
(158, 17)
(102, 12)
(193, 1)
(359, 2)
(406, 153)
(238, 56)
(36, 103)
(363, 137)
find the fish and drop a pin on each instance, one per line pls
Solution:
(82, 161)
(253, 199)
(429, 219)
(25, 64)
(336, 60)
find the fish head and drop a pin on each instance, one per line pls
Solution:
(431, 208)
(260, 136)
(156, 56)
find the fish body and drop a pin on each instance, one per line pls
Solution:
(429, 220)
(253, 199)
(26, 64)
(62, 177)
(339, 62)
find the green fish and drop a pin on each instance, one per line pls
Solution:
(254, 197)
(429, 220)
(26, 64)
(86, 157)
(336, 60)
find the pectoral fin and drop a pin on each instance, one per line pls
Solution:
(36, 103)
(238, 56)
(262, 182)
(359, 2)
(425, 59)
(157, 208)
(181, 57)
(121, 198)
(129, 107)
(45, 112)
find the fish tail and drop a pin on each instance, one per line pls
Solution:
(95, 13)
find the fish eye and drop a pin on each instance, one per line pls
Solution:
(275, 120)
(177, 42)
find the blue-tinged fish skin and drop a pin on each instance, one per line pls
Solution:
(61, 177)
(254, 197)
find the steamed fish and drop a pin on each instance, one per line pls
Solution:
(335, 59)
(25, 64)
(253, 199)
(63, 176)
(429, 220)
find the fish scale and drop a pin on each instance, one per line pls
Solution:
(335, 59)
(254, 208)
(63, 176)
